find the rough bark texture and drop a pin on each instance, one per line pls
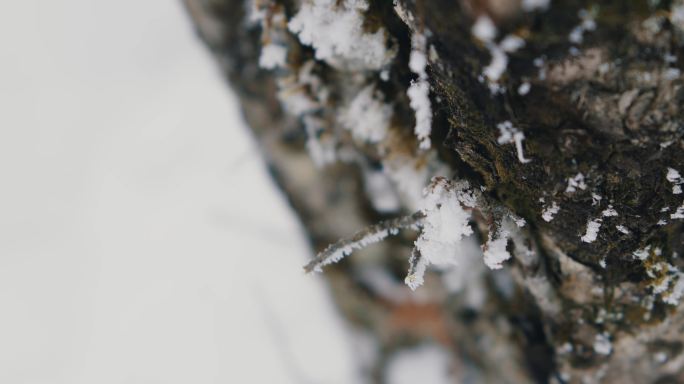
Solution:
(608, 106)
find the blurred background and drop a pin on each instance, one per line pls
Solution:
(134, 213)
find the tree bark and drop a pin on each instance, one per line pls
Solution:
(596, 90)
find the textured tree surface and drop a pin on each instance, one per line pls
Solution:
(596, 89)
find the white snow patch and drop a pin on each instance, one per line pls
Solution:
(675, 178)
(602, 344)
(445, 224)
(592, 230)
(679, 213)
(367, 117)
(419, 91)
(498, 65)
(272, 56)
(588, 23)
(335, 30)
(509, 134)
(524, 89)
(676, 292)
(622, 229)
(643, 253)
(550, 212)
(609, 212)
(495, 252)
(512, 43)
(575, 182)
(484, 29)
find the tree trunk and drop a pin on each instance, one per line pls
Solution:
(568, 115)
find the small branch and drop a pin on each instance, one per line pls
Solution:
(370, 235)
(416, 271)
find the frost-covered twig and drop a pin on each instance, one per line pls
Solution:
(416, 271)
(370, 235)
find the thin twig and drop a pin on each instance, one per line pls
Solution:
(370, 235)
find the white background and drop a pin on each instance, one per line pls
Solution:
(141, 240)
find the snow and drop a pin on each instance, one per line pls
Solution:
(143, 240)
(588, 23)
(273, 56)
(419, 91)
(367, 117)
(495, 250)
(533, 5)
(602, 344)
(511, 43)
(575, 182)
(508, 134)
(609, 212)
(524, 89)
(428, 363)
(445, 224)
(484, 29)
(679, 213)
(643, 253)
(622, 229)
(335, 30)
(677, 290)
(592, 230)
(498, 65)
(550, 212)
(675, 178)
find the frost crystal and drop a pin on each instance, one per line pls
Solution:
(508, 134)
(602, 344)
(576, 182)
(609, 212)
(495, 250)
(419, 91)
(445, 224)
(366, 117)
(679, 213)
(335, 30)
(550, 212)
(675, 178)
(576, 36)
(622, 229)
(593, 227)
(524, 89)
(272, 56)
(484, 29)
(642, 254)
